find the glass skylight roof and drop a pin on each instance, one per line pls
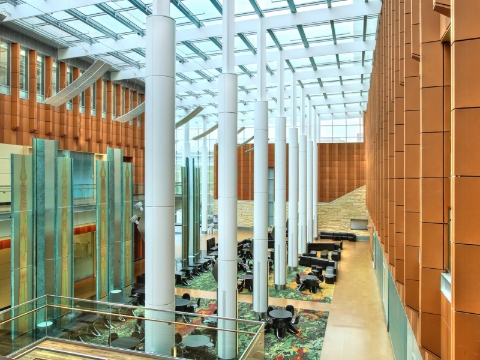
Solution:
(111, 22)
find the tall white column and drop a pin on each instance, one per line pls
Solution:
(204, 179)
(293, 182)
(160, 178)
(302, 194)
(227, 188)
(302, 183)
(309, 175)
(280, 179)
(315, 176)
(186, 141)
(260, 200)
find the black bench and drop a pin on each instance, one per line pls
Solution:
(337, 236)
(319, 246)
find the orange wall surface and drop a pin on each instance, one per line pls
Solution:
(423, 172)
(21, 119)
(341, 169)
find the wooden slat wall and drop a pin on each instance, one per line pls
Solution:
(341, 169)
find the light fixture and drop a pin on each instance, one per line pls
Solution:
(139, 206)
(135, 219)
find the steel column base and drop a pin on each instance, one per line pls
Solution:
(293, 268)
(280, 287)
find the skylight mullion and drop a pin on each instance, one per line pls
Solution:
(195, 49)
(93, 23)
(247, 43)
(292, 69)
(303, 36)
(64, 27)
(257, 9)
(275, 40)
(124, 59)
(188, 14)
(141, 6)
(216, 42)
(292, 6)
(121, 18)
(217, 6)
(334, 33)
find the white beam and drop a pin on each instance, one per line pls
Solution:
(314, 102)
(290, 54)
(32, 8)
(241, 26)
(244, 80)
(252, 96)
(272, 107)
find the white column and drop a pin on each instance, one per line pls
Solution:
(293, 182)
(204, 179)
(302, 194)
(227, 188)
(309, 175)
(315, 176)
(186, 140)
(160, 178)
(280, 179)
(302, 183)
(260, 200)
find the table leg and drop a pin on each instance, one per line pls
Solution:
(291, 329)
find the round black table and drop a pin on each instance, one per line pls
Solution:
(282, 323)
(181, 302)
(196, 341)
(129, 342)
(311, 281)
(308, 277)
(280, 314)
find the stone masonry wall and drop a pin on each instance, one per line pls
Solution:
(332, 216)
(336, 215)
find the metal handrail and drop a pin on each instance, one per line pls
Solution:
(66, 352)
(145, 308)
(154, 320)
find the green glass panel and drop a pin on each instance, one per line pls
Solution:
(127, 228)
(22, 224)
(397, 321)
(102, 232)
(44, 157)
(64, 229)
(197, 211)
(115, 201)
(184, 217)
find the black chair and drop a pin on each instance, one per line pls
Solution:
(111, 338)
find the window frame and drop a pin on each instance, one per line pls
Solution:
(24, 91)
(40, 78)
(5, 88)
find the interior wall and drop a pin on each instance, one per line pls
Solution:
(23, 119)
(341, 169)
(409, 149)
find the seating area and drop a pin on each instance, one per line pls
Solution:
(320, 263)
(337, 236)
(319, 246)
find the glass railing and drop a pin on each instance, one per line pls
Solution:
(126, 328)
